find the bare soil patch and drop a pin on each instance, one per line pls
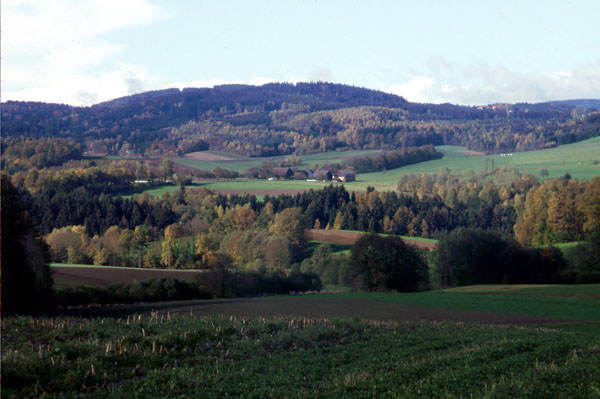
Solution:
(184, 169)
(312, 307)
(207, 156)
(260, 192)
(362, 156)
(106, 275)
(471, 153)
(349, 237)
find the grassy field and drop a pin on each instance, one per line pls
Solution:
(569, 308)
(335, 248)
(576, 291)
(575, 159)
(277, 352)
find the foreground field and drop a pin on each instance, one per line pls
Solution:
(523, 305)
(589, 291)
(161, 356)
(536, 342)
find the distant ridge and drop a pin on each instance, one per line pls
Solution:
(319, 95)
(122, 101)
(283, 118)
(585, 103)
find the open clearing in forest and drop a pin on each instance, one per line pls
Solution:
(349, 237)
(69, 275)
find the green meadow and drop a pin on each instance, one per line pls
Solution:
(576, 159)
(560, 302)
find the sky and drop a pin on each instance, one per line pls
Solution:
(82, 52)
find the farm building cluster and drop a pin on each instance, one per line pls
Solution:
(285, 173)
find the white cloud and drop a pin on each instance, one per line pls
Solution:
(90, 89)
(198, 83)
(256, 81)
(321, 74)
(415, 90)
(481, 83)
(259, 81)
(51, 49)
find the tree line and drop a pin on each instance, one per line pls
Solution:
(23, 154)
(200, 229)
(392, 159)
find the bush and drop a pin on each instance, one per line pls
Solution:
(331, 267)
(386, 263)
(154, 290)
(228, 284)
(211, 284)
(584, 262)
(467, 257)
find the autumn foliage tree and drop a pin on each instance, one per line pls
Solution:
(559, 210)
(291, 224)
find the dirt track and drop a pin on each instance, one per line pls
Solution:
(311, 307)
(259, 192)
(349, 237)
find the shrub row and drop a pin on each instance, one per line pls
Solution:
(227, 284)
(164, 289)
(467, 257)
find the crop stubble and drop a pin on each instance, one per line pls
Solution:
(313, 307)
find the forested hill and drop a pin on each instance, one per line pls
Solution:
(280, 118)
(586, 103)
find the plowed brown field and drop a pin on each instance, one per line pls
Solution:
(108, 275)
(349, 237)
(259, 192)
(207, 156)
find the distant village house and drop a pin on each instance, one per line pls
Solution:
(322, 174)
(283, 173)
(345, 175)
